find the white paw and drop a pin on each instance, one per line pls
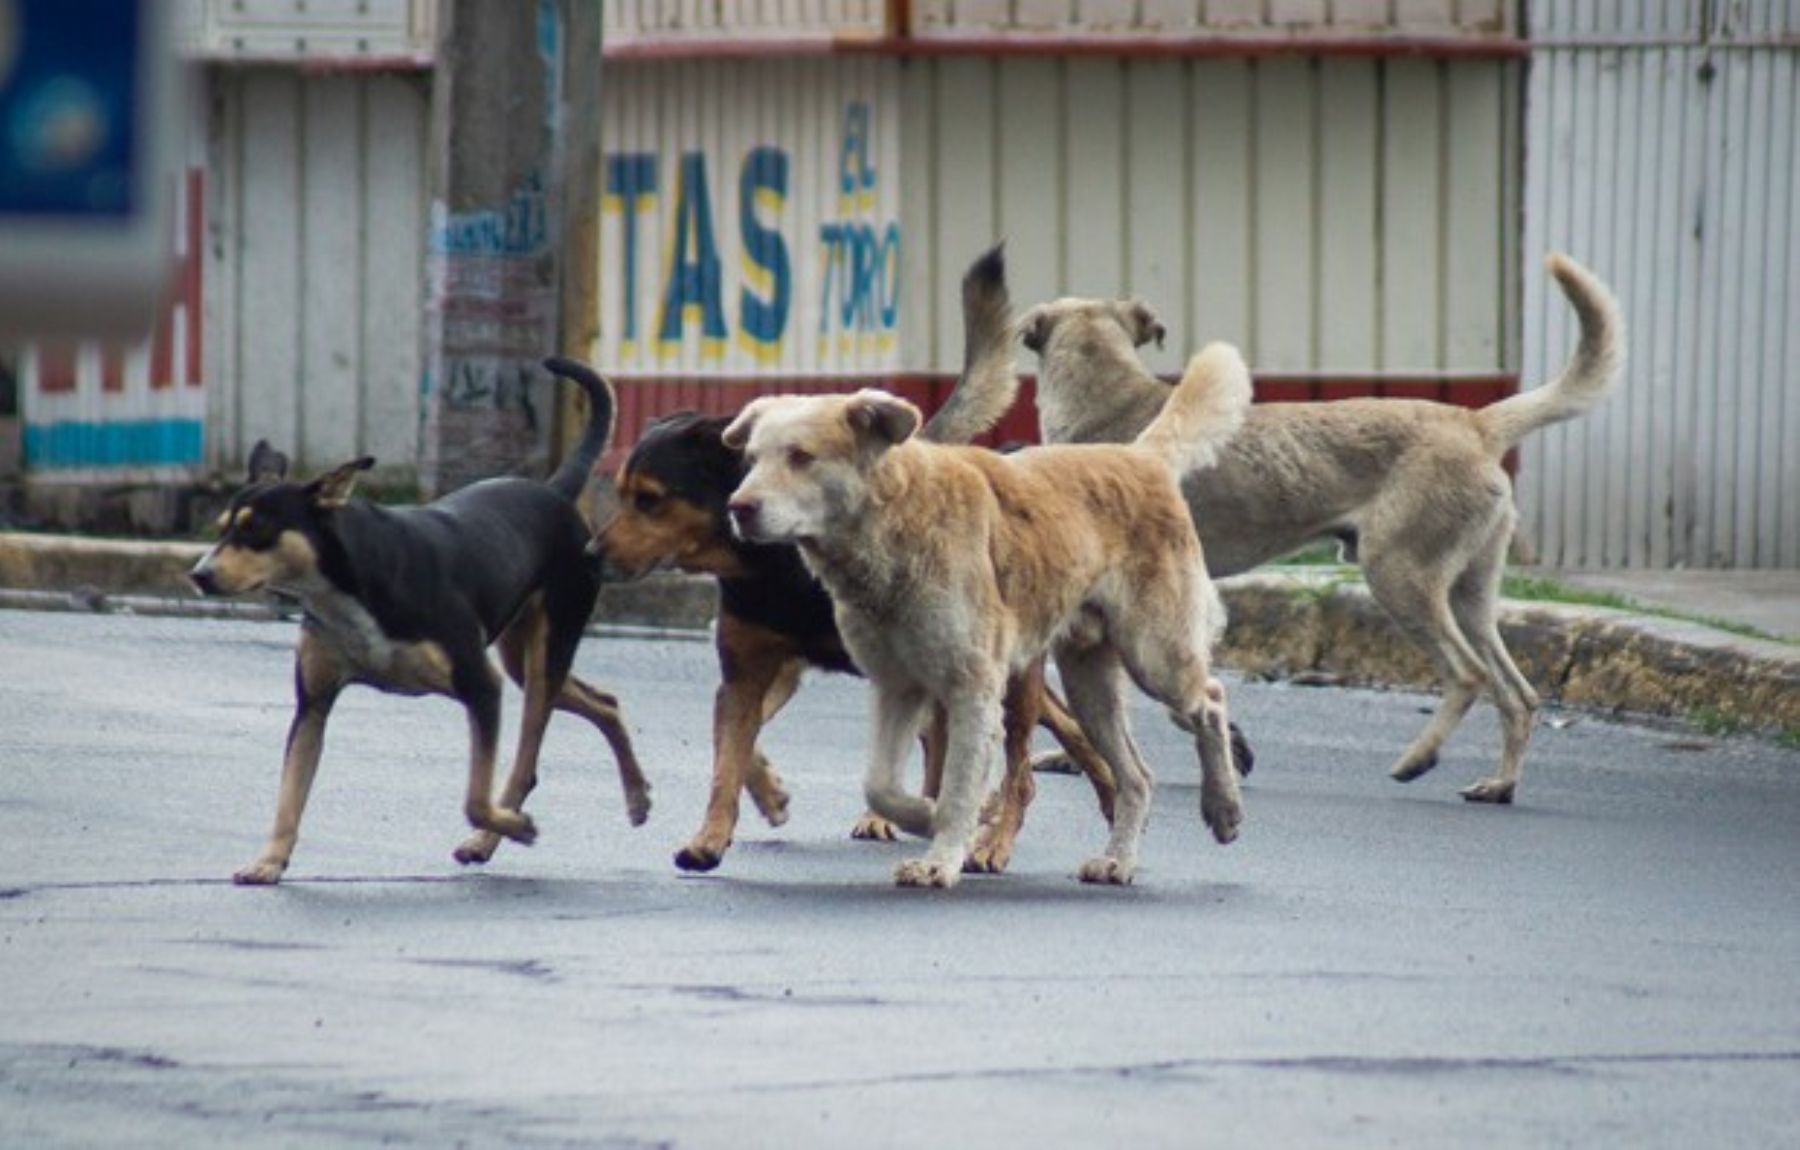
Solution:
(1106, 871)
(926, 873)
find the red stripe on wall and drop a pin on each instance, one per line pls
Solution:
(644, 399)
(112, 369)
(191, 282)
(56, 368)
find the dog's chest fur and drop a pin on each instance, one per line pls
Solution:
(355, 639)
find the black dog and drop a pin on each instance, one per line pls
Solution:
(407, 599)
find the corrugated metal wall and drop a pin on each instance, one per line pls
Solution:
(750, 217)
(1341, 216)
(314, 288)
(1337, 215)
(1664, 149)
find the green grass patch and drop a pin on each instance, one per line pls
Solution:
(1716, 723)
(1537, 590)
(1789, 738)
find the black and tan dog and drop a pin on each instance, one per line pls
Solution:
(407, 600)
(775, 620)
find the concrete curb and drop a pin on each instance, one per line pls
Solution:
(1283, 625)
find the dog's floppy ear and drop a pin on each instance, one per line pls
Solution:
(266, 464)
(333, 488)
(1143, 324)
(1034, 328)
(738, 433)
(885, 419)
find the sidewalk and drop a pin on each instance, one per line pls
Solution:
(1663, 643)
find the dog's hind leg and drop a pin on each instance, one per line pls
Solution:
(994, 841)
(1080, 751)
(317, 681)
(601, 708)
(763, 783)
(1094, 682)
(1417, 598)
(1474, 600)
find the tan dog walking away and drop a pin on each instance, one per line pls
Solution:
(951, 568)
(1415, 490)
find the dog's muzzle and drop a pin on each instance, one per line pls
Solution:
(204, 581)
(746, 518)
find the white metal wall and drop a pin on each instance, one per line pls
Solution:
(314, 284)
(1663, 148)
(750, 217)
(1341, 215)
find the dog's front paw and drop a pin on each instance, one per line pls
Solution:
(873, 828)
(1222, 813)
(1106, 871)
(262, 872)
(701, 855)
(771, 801)
(990, 854)
(926, 873)
(477, 848)
(1497, 791)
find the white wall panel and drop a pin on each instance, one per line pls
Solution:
(314, 273)
(1662, 152)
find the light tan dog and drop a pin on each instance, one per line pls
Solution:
(1415, 490)
(951, 568)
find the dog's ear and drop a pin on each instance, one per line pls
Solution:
(266, 464)
(1034, 328)
(881, 418)
(1141, 321)
(737, 433)
(333, 489)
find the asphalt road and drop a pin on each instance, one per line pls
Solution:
(1613, 961)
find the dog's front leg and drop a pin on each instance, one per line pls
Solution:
(737, 718)
(897, 713)
(994, 841)
(317, 681)
(974, 732)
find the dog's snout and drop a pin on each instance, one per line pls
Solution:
(744, 513)
(204, 580)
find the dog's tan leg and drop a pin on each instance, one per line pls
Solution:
(1056, 719)
(763, 783)
(994, 840)
(523, 655)
(1418, 599)
(1474, 600)
(752, 661)
(601, 708)
(477, 687)
(317, 681)
(1094, 680)
(896, 722)
(974, 729)
(871, 826)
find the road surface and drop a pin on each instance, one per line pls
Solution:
(1614, 961)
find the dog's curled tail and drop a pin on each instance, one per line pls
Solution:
(573, 474)
(988, 383)
(1204, 411)
(1587, 376)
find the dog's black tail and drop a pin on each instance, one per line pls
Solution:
(572, 476)
(988, 383)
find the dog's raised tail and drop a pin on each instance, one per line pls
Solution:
(988, 383)
(1587, 376)
(1204, 411)
(573, 474)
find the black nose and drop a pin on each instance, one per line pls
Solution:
(204, 582)
(743, 514)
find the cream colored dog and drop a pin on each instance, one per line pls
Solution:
(951, 568)
(1415, 490)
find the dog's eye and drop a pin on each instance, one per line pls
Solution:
(646, 502)
(799, 459)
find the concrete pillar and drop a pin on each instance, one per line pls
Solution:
(495, 260)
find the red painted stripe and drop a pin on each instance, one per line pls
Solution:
(1127, 46)
(112, 369)
(192, 284)
(56, 368)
